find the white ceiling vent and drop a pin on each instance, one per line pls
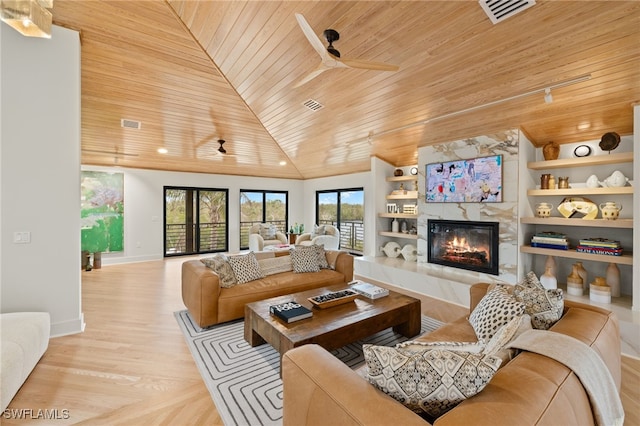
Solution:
(130, 124)
(313, 105)
(499, 10)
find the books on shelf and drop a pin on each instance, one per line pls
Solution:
(599, 250)
(368, 290)
(552, 240)
(290, 311)
(600, 242)
(550, 246)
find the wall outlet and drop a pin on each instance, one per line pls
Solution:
(22, 237)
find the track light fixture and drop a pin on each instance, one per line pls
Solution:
(547, 96)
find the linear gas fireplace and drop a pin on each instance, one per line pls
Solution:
(464, 244)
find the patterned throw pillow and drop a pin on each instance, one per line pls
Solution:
(268, 231)
(322, 256)
(417, 346)
(507, 333)
(304, 259)
(496, 308)
(245, 267)
(431, 381)
(221, 266)
(275, 265)
(544, 305)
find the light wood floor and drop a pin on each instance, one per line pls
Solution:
(132, 365)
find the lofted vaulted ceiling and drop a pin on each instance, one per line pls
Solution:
(193, 72)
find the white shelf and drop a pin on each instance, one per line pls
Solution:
(398, 215)
(408, 178)
(410, 195)
(623, 157)
(590, 223)
(398, 235)
(625, 259)
(581, 191)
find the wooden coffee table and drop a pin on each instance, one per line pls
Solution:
(331, 327)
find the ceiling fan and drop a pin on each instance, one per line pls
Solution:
(331, 57)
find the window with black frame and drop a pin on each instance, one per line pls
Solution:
(344, 209)
(260, 206)
(195, 220)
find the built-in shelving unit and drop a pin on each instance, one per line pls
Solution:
(408, 195)
(614, 229)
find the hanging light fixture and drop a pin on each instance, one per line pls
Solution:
(29, 17)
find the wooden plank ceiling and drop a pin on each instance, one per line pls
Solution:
(193, 72)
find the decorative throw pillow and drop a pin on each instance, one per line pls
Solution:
(332, 257)
(304, 259)
(322, 256)
(221, 266)
(245, 267)
(275, 265)
(431, 381)
(507, 333)
(496, 308)
(417, 346)
(318, 230)
(544, 305)
(268, 231)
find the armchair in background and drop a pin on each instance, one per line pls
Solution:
(327, 235)
(265, 234)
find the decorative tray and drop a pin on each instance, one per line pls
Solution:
(333, 298)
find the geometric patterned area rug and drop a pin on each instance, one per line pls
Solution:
(244, 381)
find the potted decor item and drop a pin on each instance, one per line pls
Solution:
(551, 151)
(583, 274)
(543, 209)
(548, 280)
(616, 180)
(610, 210)
(574, 282)
(613, 279)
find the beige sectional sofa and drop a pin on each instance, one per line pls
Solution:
(531, 389)
(209, 303)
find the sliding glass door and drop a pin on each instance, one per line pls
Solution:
(343, 208)
(258, 206)
(195, 220)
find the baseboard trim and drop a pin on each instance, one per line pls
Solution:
(66, 328)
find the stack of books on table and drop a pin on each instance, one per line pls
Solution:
(290, 311)
(369, 290)
(551, 240)
(600, 246)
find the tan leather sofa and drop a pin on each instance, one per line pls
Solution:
(530, 390)
(210, 304)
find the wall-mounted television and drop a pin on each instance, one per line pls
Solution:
(477, 180)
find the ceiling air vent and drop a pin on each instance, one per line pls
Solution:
(313, 105)
(499, 10)
(130, 124)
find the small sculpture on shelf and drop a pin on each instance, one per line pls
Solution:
(391, 249)
(609, 141)
(409, 252)
(610, 210)
(616, 180)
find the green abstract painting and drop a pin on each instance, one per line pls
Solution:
(102, 211)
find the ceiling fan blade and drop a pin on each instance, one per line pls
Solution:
(368, 65)
(314, 40)
(313, 74)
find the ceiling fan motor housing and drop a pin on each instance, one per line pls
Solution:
(331, 36)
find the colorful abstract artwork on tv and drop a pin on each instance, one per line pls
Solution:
(477, 180)
(102, 211)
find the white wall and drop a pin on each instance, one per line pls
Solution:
(40, 176)
(144, 206)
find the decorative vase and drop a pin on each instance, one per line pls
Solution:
(409, 252)
(574, 282)
(613, 279)
(599, 291)
(403, 227)
(610, 210)
(544, 181)
(551, 151)
(543, 209)
(552, 182)
(563, 182)
(391, 249)
(548, 280)
(550, 263)
(395, 226)
(583, 274)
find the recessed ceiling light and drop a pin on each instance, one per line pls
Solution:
(283, 163)
(163, 150)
